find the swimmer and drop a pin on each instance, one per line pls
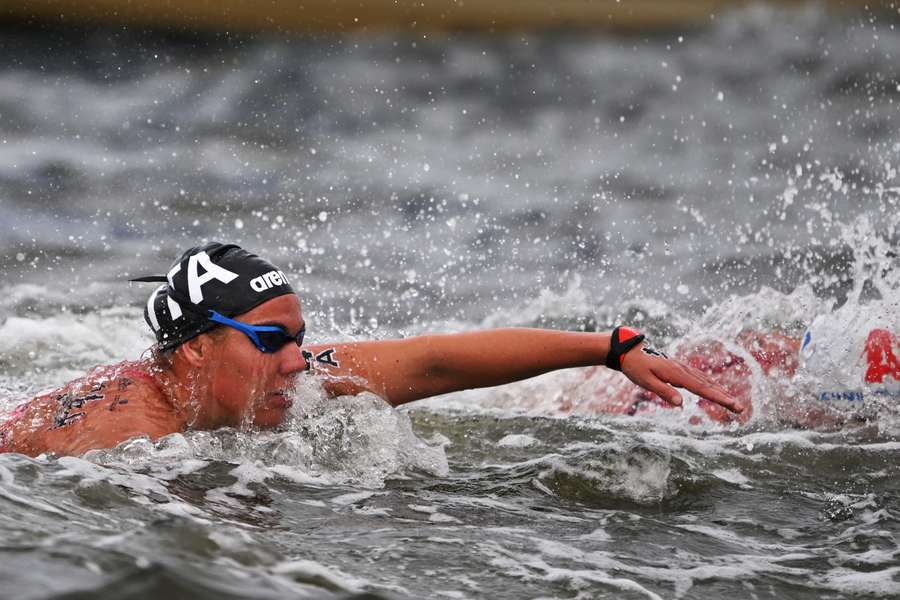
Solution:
(229, 350)
(837, 373)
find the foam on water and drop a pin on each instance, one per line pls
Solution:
(350, 453)
(65, 340)
(737, 177)
(346, 440)
(840, 326)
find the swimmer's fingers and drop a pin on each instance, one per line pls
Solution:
(649, 381)
(695, 381)
(659, 374)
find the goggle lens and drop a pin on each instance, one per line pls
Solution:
(273, 341)
(266, 338)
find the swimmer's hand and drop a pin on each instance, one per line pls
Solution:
(659, 374)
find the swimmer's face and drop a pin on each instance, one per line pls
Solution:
(247, 386)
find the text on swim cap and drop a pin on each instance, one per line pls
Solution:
(212, 271)
(268, 280)
(195, 284)
(174, 307)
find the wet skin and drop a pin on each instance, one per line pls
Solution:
(777, 357)
(105, 407)
(774, 353)
(242, 386)
(220, 379)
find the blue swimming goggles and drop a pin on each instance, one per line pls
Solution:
(267, 338)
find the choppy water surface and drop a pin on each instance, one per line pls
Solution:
(693, 183)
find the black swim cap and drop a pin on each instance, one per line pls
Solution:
(220, 277)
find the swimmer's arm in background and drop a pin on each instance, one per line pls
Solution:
(803, 413)
(402, 371)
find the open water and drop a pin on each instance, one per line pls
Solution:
(693, 183)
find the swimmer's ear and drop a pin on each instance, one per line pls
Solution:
(195, 350)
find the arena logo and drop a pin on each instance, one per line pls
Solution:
(268, 280)
(857, 395)
(843, 395)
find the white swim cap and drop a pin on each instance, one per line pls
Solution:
(834, 361)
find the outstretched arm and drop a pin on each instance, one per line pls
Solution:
(401, 371)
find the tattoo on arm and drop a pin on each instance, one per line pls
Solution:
(653, 352)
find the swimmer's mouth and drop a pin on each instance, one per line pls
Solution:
(280, 398)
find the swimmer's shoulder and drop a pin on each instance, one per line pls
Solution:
(109, 405)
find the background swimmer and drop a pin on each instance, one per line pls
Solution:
(834, 374)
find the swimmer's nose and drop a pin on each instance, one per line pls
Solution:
(292, 360)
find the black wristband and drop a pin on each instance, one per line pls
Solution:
(621, 341)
